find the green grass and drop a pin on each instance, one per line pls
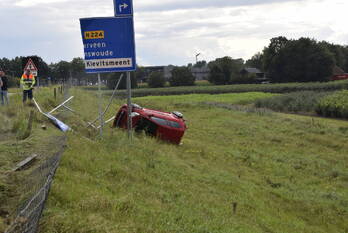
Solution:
(284, 173)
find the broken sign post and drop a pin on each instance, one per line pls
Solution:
(109, 46)
(110, 101)
(59, 124)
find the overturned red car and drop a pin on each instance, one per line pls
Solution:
(164, 125)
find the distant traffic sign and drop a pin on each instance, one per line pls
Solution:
(123, 7)
(108, 44)
(31, 66)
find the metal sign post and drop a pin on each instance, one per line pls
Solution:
(129, 104)
(100, 107)
(124, 8)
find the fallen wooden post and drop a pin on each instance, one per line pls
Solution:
(25, 163)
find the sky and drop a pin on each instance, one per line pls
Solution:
(171, 31)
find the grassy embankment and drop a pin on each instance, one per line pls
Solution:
(17, 142)
(235, 172)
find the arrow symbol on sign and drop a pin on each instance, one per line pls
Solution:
(124, 6)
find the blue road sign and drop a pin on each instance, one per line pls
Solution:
(108, 44)
(123, 7)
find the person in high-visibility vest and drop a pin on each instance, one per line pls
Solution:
(27, 82)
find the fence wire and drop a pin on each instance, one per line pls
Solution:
(39, 182)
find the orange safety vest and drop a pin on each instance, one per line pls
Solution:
(27, 81)
(26, 76)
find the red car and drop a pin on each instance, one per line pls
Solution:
(164, 125)
(339, 77)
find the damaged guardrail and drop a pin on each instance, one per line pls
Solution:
(58, 123)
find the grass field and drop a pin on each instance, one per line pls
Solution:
(234, 172)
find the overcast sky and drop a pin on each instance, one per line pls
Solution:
(171, 31)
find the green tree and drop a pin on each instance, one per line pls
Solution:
(156, 79)
(302, 60)
(182, 76)
(271, 52)
(78, 69)
(200, 64)
(62, 70)
(255, 61)
(225, 70)
(113, 78)
(140, 73)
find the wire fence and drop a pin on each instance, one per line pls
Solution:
(37, 186)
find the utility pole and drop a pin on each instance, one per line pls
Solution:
(197, 57)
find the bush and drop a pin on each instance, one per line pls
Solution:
(113, 78)
(269, 88)
(156, 79)
(335, 105)
(13, 81)
(182, 76)
(304, 101)
(244, 79)
(224, 69)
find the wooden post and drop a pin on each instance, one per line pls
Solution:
(55, 93)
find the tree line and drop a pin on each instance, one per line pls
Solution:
(54, 72)
(301, 60)
(283, 60)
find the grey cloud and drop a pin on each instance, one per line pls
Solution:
(202, 4)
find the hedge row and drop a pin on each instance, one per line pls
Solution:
(298, 102)
(270, 88)
(334, 105)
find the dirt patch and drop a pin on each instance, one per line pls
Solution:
(7, 136)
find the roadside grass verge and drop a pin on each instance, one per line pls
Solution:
(235, 172)
(17, 142)
(211, 89)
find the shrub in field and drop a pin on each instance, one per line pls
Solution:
(182, 76)
(269, 88)
(304, 101)
(113, 78)
(224, 70)
(13, 81)
(156, 79)
(335, 105)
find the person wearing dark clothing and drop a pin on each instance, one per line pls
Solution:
(4, 88)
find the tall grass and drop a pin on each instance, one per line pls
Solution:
(305, 102)
(334, 105)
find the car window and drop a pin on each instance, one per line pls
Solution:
(159, 121)
(164, 122)
(174, 124)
